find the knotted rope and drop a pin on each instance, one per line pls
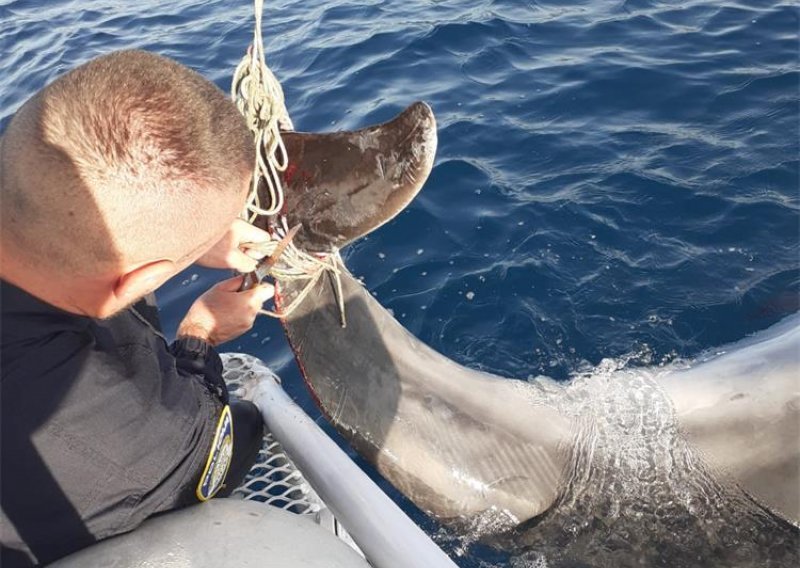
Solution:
(259, 97)
(298, 265)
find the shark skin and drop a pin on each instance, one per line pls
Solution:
(459, 442)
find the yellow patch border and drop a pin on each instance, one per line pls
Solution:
(221, 448)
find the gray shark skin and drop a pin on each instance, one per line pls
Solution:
(689, 465)
(343, 185)
(741, 410)
(446, 436)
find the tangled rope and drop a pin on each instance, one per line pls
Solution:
(298, 265)
(259, 97)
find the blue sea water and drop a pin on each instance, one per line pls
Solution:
(614, 178)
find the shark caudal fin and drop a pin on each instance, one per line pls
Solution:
(342, 185)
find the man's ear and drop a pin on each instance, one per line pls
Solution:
(144, 279)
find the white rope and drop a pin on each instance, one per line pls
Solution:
(259, 97)
(298, 265)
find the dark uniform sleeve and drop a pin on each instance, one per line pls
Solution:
(195, 357)
(102, 424)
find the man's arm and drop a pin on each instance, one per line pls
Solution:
(223, 313)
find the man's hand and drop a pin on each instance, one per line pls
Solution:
(231, 251)
(222, 313)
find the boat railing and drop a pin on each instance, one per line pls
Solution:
(301, 469)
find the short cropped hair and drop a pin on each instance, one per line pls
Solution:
(128, 158)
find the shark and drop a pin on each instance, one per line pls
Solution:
(696, 463)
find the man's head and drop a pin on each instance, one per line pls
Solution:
(124, 171)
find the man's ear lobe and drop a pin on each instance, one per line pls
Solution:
(144, 279)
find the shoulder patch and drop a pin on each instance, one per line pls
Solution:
(219, 458)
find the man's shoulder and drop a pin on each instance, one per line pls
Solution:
(25, 318)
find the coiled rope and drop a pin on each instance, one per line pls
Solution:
(259, 97)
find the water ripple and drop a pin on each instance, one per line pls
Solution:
(610, 175)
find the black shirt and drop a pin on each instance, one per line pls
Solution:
(102, 424)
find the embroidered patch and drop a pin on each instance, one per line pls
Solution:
(219, 459)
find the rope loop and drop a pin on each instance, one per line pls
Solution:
(259, 97)
(298, 265)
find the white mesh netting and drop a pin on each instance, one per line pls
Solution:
(274, 479)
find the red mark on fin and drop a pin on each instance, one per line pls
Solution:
(291, 169)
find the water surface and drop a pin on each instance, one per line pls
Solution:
(615, 179)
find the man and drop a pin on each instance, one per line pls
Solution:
(113, 179)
